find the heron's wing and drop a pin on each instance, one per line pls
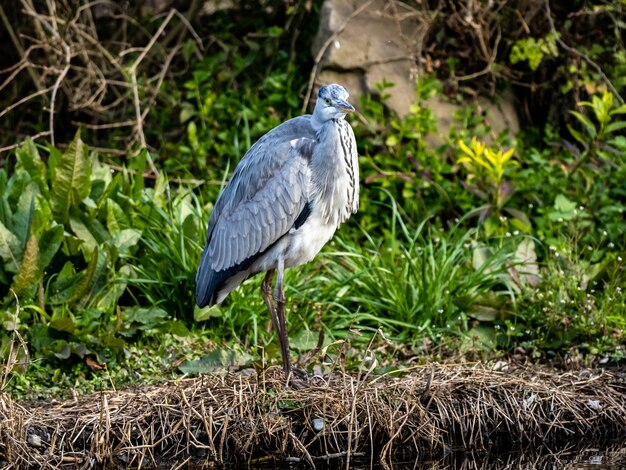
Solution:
(262, 201)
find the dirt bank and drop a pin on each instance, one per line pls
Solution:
(246, 416)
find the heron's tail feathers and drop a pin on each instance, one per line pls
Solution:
(206, 286)
(212, 287)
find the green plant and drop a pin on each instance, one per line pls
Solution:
(601, 141)
(488, 166)
(533, 50)
(76, 240)
(415, 280)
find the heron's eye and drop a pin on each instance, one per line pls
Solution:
(327, 100)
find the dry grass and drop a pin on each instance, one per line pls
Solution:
(246, 417)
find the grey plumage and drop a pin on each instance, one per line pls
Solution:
(288, 195)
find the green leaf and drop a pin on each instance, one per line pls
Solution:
(619, 110)
(28, 275)
(114, 290)
(84, 286)
(138, 318)
(71, 182)
(392, 140)
(215, 360)
(205, 313)
(490, 307)
(28, 158)
(116, 218)
(591, 129)
(89, 242)
(481, 337)
(481, 255)
(64, 286)
(64, 324)
(519, 219)
(562, 204)
(615, 126)
(23, 216)
(61, 349)
(10, 247)
(125, 240)
(49, 243)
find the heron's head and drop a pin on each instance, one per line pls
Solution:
(332, 103)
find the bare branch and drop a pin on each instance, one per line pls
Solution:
(585, 57)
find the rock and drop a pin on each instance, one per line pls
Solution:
(318, 424)
(373, 46)
(383, 43)
(501, 113)
(34, 440)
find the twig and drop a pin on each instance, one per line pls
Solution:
(24, 100)
(20, 49)
(337, 455)
(325, 46)
(580, 54)
(32, 137)
(133, 77)
(55, 89)
(490, 63)
(14, 349)
(302, 448)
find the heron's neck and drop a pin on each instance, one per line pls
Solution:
(332, 170)
(318, 125)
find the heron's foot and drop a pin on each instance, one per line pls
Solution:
(297, 378)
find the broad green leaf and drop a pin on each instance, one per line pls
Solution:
(480, 337)
(519, 219)
(109, 298)
(392, 140)
(217, 359)
(64, 285)
(28, 158)
(10, 247)
(23, 216)
(519, 224)
(125, 240)
(89, 242)
(116, 218)
(85, 285)
(29, 272)
(49, 243)
(71, 182)
(113, 290)
(143, 319)
(61, 348)
(561, 203)
(63, 323)
(205, 313)
(489, 307)
(178, 328)
(593, 272)
(5, 210)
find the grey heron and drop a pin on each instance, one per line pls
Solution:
(286, 198)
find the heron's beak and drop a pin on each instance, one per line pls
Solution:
(344, 106)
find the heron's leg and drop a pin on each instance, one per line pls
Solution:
(266, 289)
(279, 297)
